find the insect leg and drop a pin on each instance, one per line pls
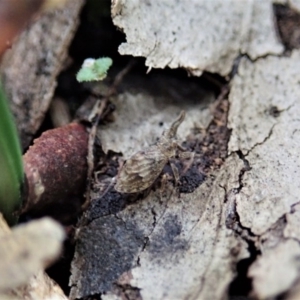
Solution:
(190, 156)
(108, 188)
(180, 148)
(175, 172)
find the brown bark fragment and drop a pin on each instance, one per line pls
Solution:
(30, 68)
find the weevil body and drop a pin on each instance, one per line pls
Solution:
(140, 170)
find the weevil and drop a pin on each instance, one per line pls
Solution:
(141, 170)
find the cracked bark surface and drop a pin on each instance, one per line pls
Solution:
(171, 245)
(162, 236)
(240, 27)
(270, 142)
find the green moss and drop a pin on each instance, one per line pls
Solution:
(94, 69)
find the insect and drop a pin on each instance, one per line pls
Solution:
(141, 170)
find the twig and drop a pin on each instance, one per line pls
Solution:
(99, 115)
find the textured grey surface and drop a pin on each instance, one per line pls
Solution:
(142, 114)
(197, 35)
(277, 270)
(163, 246)
(264, 118)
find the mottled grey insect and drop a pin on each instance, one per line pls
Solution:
(140, 170)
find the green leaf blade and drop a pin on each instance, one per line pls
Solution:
(11, 164)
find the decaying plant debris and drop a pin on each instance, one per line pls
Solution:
(230, 225)
(25, 252)
(160, 210)
(159, 232)
(30, 68)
